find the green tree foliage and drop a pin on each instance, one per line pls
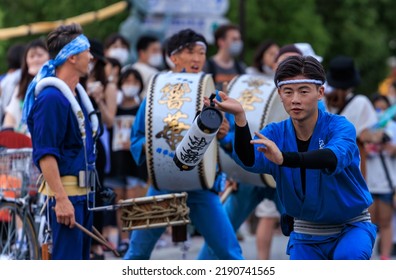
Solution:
(14, 13)
(358, 29)
(284, 21)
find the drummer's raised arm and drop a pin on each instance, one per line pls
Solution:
(231, 106)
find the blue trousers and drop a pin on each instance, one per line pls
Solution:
(71, 243)
(239, 205)
(355, 242)
(208, 217)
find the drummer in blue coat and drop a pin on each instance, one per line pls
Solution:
(314, 159)
(187, 50)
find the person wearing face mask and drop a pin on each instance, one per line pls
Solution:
(36, 54)
(224, 65)
(117, 46)
(264, 59)
(128, 179)
(149, 59)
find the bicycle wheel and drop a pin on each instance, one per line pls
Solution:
(18, 239)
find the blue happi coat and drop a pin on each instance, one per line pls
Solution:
(329, 197)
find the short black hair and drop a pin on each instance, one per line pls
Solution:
(306, 66)
(15, 56)
(185, 38)
(145, 41)
(61, 36)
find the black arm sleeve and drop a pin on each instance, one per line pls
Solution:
(318, 159)
(243, 148)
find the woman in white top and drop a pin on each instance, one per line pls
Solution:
(36, 54)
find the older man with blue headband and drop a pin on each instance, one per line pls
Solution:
(62, 126)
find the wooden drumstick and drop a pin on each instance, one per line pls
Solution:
(101, 241)
(98, 234)
(226, 194)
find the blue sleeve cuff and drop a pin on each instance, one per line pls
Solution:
(39, 153)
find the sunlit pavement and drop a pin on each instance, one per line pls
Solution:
(167, 250)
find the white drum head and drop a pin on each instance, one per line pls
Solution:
(173, 101)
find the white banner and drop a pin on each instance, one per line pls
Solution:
(191, 7)
(205, 25)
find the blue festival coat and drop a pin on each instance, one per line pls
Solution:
(54, 129)
(330, 198)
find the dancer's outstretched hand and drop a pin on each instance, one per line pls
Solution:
(269, 148)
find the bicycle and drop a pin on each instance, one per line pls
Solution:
(19, 206)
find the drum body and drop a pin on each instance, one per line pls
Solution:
(172, 103)
(261, 102)
(154, 211)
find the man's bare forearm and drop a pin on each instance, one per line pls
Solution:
(49, 167)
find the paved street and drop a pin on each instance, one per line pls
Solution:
(248, 248)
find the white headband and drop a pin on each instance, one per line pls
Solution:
(299, 81)
(183, 46)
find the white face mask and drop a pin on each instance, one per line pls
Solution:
(130, 90)
(120, 54)
(267, 70)
(155, 60)
(235, 48)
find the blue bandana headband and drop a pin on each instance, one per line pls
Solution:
(300, 81)
(76, 46)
